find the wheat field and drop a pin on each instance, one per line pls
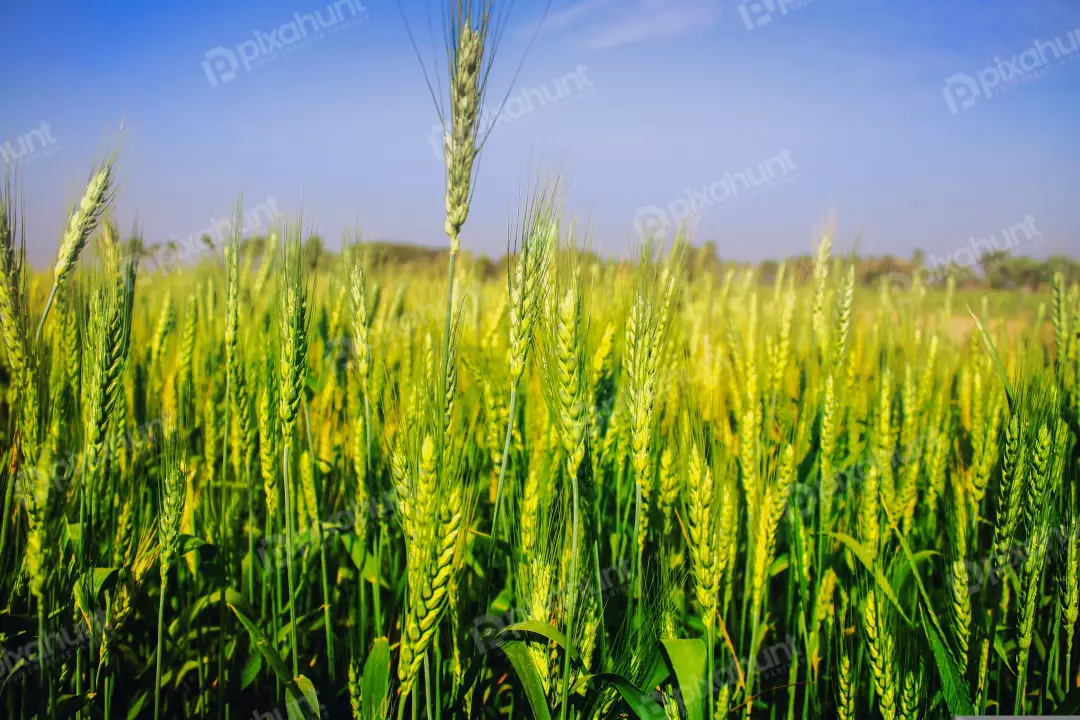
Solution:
(624, 489)
(279, 483)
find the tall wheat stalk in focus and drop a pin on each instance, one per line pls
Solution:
(80, 226)
(292, 376)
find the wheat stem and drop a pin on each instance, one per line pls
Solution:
(160, 646)
(293, 646)
(502, 466)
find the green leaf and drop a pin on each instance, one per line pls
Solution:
(13, 671)
(779, 565)
(74, 534)
(904, 566)
(952, 680)
(370, 571)
(502, 602)
(658, 672)
(264, 646)
(190, 543)
(1009, 394)
(187, 667)
(1002, 653)
(104, 579)
(641, 702)
(375, 684)
(184, 624)
(918, 578)
(541, 628)
(500, 546)
(251, 670)
(303, 705)
(68, 705)
(529, 677)
(867, 560)
(136, 709)
(800, 555)
(356, 551)
(688, 662)
(1070, 705)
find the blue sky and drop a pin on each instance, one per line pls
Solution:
(761, 119)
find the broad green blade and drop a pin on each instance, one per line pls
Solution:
(303, 705)
(264, 646)
(145, 697)
(251, 670)
(867, 560)
(529, 677)
(104, 579)
(1070, 705)
(918, 578)
(189, 543)
(68, 705)
(375, 686)
(541, 628)
(952, 680)
(688, 660)
(641, 702)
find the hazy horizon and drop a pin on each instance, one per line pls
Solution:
(916, 125)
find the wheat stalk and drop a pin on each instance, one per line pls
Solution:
(172, 512)
(879, 644)
(292, 374)
(537, 235)
(80, 226)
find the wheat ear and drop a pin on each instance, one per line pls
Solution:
(81, 224)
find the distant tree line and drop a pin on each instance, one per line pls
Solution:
(997, 269)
